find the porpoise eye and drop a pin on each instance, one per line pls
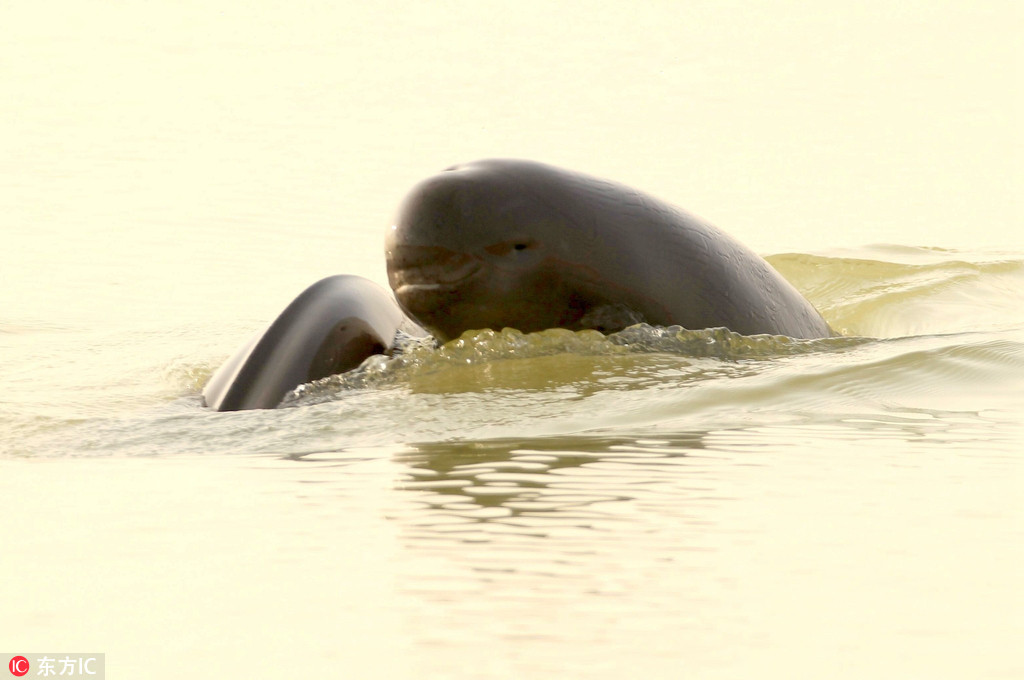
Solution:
(506, 247)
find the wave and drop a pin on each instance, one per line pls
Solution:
(897, 291)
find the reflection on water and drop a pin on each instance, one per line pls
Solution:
(849, 549)
(478, 491)
(519, 484)
(609, 543)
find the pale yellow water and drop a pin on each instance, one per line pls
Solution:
(172, 174)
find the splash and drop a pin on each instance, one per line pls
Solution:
(417, 360)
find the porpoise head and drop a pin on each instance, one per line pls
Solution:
(493, 244)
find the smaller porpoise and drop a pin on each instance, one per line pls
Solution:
(330, 328)
(520, 244)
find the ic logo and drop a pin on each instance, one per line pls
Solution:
(18, 665)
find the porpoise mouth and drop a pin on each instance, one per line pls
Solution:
(426, 268)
